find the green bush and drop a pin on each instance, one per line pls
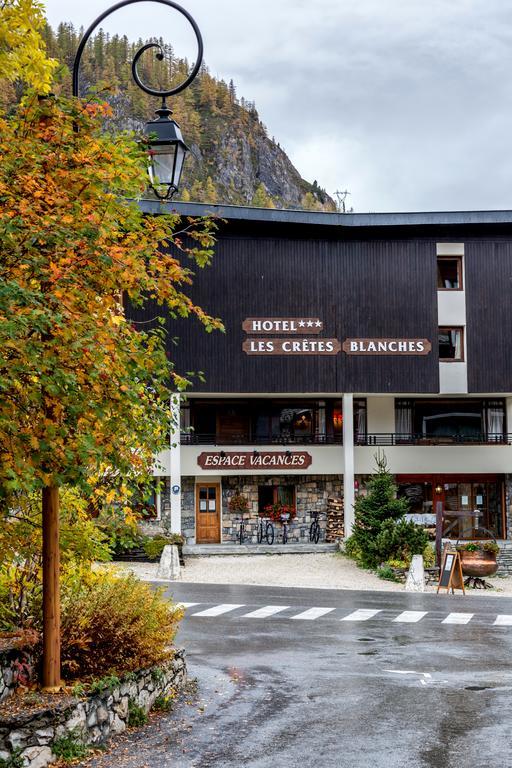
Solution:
(119, 529)
(69, 747)
(15, 760)
(154, 545)
(164, 703)
(137, 716)
(400, 541)
(386, 572)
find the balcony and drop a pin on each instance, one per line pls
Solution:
(400, 439)
(195, 438)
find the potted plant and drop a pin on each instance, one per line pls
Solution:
(478, 558)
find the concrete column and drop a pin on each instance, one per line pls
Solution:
(175, 478)
(348, 449)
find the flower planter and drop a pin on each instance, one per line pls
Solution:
(479, 563)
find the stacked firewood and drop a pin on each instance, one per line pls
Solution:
(335, 525)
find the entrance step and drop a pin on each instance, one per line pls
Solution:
(205, 550)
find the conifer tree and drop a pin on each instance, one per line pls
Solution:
(373, 511)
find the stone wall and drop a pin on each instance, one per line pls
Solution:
(311, 493)
(90, 720)
(16, 667)
(188, 509)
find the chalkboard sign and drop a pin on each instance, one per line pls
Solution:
(450, 577)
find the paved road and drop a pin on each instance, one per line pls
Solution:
(307, 677)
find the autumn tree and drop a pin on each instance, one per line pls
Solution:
(22, 50)
(81, 387)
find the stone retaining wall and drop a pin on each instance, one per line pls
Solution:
(90, 720)
(16, 666)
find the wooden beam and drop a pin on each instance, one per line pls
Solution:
(51, 590)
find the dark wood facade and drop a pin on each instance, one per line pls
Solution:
(361, 282)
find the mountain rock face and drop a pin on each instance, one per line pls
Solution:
(232, 158)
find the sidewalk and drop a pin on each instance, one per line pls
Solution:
(327, 571)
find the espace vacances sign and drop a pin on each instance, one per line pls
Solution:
(309, 342)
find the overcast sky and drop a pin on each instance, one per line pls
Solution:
(406, 103)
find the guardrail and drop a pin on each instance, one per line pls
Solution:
(397, 438)
(199, 438)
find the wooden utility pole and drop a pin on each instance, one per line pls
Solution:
(51, 590)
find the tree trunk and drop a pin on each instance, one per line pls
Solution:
(51, 589)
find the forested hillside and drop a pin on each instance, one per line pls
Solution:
(233, 160)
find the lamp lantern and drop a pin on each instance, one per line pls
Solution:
(167, 152)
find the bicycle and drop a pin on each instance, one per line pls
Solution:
(241, 531)
(314, 528)
(284, 522)
(265, 531)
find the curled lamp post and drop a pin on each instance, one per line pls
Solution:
(167, 149)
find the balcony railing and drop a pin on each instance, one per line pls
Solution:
(198, 438)
(397, 438)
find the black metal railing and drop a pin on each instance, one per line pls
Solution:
(199, 438)
(397, 438)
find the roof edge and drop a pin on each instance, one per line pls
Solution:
(322, 218)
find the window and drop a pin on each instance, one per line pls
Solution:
(272, 494)
(449, 273)
(450, 420)
(451, 345)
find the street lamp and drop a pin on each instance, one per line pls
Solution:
(166, 148)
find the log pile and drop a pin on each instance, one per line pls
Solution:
(335, 525)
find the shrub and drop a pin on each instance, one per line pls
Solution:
(69, 747)
(400, 540)
(21, 547)
(153, 546)
(136, 715)
(114, 624)
(429, 557)
(120, 529)
(387, 573)
(14, 760)
(164, 703)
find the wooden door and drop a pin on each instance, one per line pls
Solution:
(208, 513)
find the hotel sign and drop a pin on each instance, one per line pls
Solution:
(276, 325)
(309, 343)
(254, 459)
(387, 346)
(291, 346)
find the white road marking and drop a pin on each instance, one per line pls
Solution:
(362, 614)
(409, 617)
(503, 620)
(185, 605)
(458, 618)
(426, 675)
(217, 610)
(312, 613)
(267, 610)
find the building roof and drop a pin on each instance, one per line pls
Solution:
(321, 218)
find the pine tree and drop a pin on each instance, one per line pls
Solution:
(372, 512)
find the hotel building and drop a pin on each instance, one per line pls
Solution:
(345, 334)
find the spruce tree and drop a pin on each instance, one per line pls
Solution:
(372, 512)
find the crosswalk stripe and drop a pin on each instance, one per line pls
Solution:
(458, 618)
(267, 610)
(362, 614)
(503, 620)
(312, 613)
(185, 605)
(409, 617)
(217, 610)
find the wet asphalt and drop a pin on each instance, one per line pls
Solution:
(275, 692)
